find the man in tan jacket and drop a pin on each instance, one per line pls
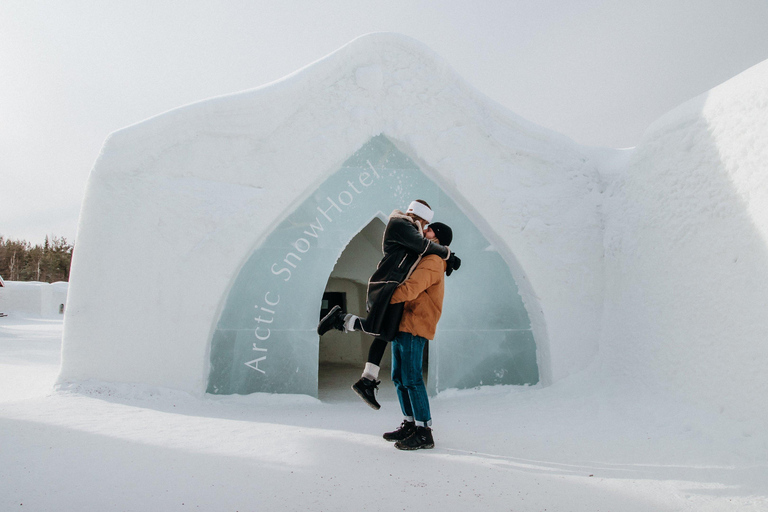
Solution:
(422, 294)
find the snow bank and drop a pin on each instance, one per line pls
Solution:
(36, 299)
(686, 247)
(175, 205)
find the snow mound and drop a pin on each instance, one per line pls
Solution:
(686, 253)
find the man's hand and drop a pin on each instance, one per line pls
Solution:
(453, 263)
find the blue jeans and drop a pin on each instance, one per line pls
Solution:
(407, 355)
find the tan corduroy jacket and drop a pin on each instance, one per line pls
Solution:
(422, 293)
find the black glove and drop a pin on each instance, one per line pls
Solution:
(453, 263)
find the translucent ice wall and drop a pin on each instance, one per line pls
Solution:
(265, 339)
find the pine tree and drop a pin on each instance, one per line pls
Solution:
(20, 261)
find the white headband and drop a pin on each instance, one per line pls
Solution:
(421, 210)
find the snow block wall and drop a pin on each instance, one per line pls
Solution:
(687, 253)
(36, 299)
(180, 203)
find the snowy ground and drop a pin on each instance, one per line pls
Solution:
(573, 446)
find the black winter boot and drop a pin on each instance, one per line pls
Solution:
(421, 438)
(366, 389)
(406, 429)
(333, 320)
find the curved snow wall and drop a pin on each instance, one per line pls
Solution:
(265, 340)
(687, 254)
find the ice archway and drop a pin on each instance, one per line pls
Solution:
(265, 338)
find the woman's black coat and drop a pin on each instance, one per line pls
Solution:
(404, 245)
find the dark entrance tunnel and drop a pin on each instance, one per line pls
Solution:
(343, 356)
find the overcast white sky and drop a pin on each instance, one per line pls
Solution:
(598, 71)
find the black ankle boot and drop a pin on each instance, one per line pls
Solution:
(420, 439)
(406, 429)
(366, 389)
(333, 320)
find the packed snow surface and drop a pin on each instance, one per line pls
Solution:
(571, 446)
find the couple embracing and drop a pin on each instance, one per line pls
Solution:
(404, 303)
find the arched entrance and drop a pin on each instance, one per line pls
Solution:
(265, 340)
(342, 356)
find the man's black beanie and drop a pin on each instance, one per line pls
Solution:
(442, 232)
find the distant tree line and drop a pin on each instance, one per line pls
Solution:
(21, 261)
